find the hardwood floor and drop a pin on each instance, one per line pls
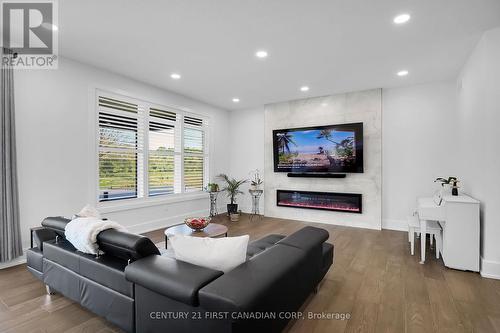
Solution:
(374, 280)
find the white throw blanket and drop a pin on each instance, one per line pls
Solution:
(82, 232)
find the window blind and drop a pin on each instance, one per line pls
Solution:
(161, 159)
(119, 146)
(194, 159)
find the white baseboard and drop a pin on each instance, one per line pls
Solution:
(490, 269)
(393, 224)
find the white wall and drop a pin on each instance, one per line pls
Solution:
(55, 120)
(479, 159)
(419, 138)
(246, 150)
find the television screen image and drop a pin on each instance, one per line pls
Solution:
(333, 148)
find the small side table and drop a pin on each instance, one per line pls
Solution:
(256, 194)
(213, 203)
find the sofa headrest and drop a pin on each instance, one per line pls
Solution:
(112, 242)
(125, 245)
(56, 223)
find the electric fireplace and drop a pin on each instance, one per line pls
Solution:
(340, 202)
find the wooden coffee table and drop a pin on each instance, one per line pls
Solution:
(211, 230)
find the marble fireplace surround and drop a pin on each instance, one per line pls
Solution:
(363, 106)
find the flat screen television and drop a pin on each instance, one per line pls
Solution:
(319, 149)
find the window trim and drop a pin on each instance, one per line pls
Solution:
(145, 200)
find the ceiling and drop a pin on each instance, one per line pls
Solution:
(331, 46)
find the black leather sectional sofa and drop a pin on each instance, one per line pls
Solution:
(137, 289)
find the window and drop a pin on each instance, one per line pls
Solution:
(194, 159)
(147, 150)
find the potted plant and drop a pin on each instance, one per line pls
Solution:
(256, 181)
(232, 188)
(235, 217)
(451, 181)
(213, 187)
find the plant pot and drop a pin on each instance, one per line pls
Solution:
(232, 208)
(235, 217)
(454, 191)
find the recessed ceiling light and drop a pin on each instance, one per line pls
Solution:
(261, 54)
(175, 76)
(304, 88)
(324, 104)
(236, 100)
(403, 18)
(403, 73)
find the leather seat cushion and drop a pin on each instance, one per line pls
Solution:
(262, 244)
(114, 306)
(106, 270)
(62, 253)
(268, 279)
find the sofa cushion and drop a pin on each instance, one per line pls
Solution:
(62, 253)
(114, 306)
(221, 254)
(265, 282)
(262, 244)
(310, 240)
(106, 270)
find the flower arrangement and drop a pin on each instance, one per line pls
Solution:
(255, 179)
(451, 181)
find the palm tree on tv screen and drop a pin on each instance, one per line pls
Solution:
(284, 141)
(346, 147)
(327, 135)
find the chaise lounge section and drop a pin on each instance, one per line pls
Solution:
(137, 289)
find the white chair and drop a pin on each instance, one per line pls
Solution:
(433, 229)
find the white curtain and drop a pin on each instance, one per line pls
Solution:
(10, 235)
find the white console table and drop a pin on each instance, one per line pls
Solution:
(459, 218)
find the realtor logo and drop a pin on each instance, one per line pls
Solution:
(29, 30)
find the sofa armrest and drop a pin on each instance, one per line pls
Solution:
(306, 238)
(43, 235)
(172, 278)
